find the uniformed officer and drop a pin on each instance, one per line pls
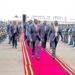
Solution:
(70, 39)
(73, 36)
(66, 34)
(0, 34)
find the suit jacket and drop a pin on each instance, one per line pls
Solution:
(51, 33)
(28, 28)
(44, 29)
(35, 35)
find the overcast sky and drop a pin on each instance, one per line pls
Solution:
(9, 8)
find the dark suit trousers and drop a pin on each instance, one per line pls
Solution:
(54, 50)
(44, 41)
(56, 41)
(14, 40)
(33, 47)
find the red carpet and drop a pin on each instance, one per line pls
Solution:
(45, 65)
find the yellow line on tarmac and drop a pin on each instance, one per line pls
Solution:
(62, 65)
(25, 64)
(65, 64)
(29, 60)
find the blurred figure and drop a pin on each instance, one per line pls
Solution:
(19, 29)
(14, 35)
(70, 36)
(54, 33)
(66, 34)
(44, 28)
(73, 36)
(9, 24)
(0, 33)
(28, 27)
(35, 38)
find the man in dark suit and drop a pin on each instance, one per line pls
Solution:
(44, 29)
(35, 38)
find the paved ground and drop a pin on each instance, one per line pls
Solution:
(66, 53)
(10, 60)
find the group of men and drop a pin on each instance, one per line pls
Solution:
(13, 31)
(69, 34)
(38, 33)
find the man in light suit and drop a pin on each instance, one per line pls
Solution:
(44, 28)
(35, 38)
(9, 24)
(28, 27)
(54, 33)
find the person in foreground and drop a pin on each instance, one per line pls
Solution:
(53, 35)
(35, 39)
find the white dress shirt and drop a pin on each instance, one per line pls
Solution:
(56, 30)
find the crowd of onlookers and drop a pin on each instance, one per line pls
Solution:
(68, 31)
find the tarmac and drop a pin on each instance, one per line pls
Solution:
(11, 62)
(66, 53)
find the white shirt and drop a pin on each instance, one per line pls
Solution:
(56, 30)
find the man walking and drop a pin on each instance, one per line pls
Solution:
(54, 33)
(35, 39)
